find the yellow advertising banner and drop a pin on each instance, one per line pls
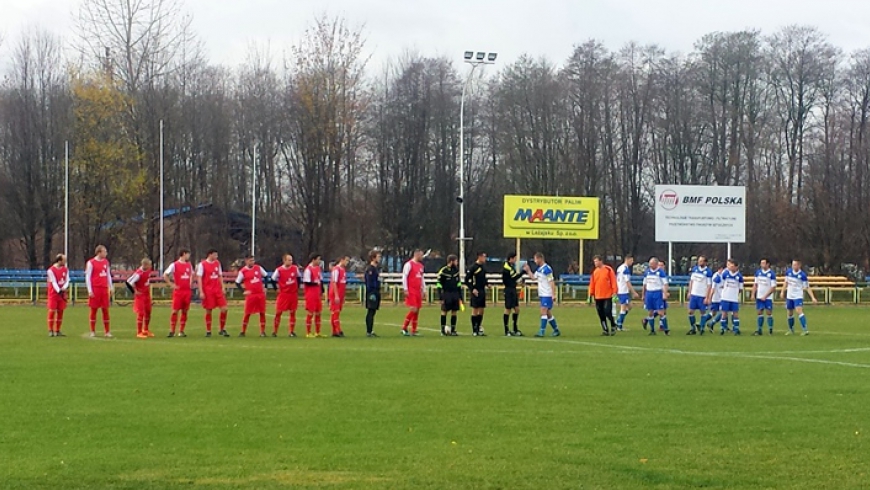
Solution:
(551, 217)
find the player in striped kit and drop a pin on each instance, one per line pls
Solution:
(546, 282)
(700, 282)
(714, 299)
(98, 279)
(763, 290)
(796, 282)
(655, 296)
(287, 278)
(179, 275)
(58, 284)
(732, 286)
(251, 280)
(624, 291)
(211, 289)
(337, 289)
(140, 285)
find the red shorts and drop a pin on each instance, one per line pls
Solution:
(336, 305)
(100, 299)
(56, 302)
(211, 301)
(313, 301)
(255, 303)
(142, 304)
(181, 299)
(287, 302)
(414, 300)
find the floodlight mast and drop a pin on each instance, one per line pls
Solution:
(474, 59)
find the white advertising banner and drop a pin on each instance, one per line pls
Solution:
(700, 214)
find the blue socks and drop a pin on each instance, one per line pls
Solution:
(760, 323)
(770, 323)
(736, 323)
(692, 322)
(543, 325)
(663, 323)
(803, 321)
(704, 319)
(791, 323)
(553, 324)
(620, 321)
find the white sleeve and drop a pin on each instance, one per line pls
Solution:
(52, 279)
(306, 276)
(275, 274)
(334, 275)
(132, 280)
(89, 269)
(169, 270)
(406, 271)
(423, 283)
(263, 272)
(199, 270)
(240, 278)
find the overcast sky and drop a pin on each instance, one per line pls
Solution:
(448, 27)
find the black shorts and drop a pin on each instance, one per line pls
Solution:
(511, 299)
(450, 301)
(373, 301)
(478, 301)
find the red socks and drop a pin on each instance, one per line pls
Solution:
(308, 323)
(92, 318)
(58, 321)
(173, 321)
(183, 320)
(292, 321)
(208, 321)
(223, 320)
(51, 320)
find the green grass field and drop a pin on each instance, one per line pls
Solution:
(581, 411)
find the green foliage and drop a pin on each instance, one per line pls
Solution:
(576, 412)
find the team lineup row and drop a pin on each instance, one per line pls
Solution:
(714, 294)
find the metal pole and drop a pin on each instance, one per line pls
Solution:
(66, 199)
(580, 264)
(519, 253)
(160, 261)
(462, 174)
(670, 257)
(729, 251)
(254, 206)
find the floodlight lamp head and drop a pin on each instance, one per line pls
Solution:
(469, 55)
(492, 56)
(480, 56)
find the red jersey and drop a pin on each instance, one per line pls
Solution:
(287, 279)
(181, 273)
(312, 278)
(251, 278)
(211, 276)
(58, 280)
(97, 275)
(338, 283)
(412, 277)
(141, 282)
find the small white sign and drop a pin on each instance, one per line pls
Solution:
(700, 214)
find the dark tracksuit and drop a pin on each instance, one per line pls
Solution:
(373, 296)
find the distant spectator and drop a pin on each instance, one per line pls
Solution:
(573, 268)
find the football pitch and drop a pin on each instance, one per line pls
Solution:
(580, 411)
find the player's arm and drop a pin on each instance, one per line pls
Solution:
(131, 283)
(167, 276)
(276, 276)
(52, 279)
(406, 271)
(810, 291)
(784, 288)
(614, 288)
(772, 290)
(240, 279)
(89, 271)
(665, 291)
(334, 281)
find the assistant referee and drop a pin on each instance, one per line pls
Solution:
(510, 278)
(475, 279)
(450, 288)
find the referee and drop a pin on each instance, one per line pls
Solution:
(475, 279)
(373, 291)
(510, 279)
(603, 287)
(449, 286)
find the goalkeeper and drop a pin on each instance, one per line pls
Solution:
(373, 291)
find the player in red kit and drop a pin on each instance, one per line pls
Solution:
(98, 279)
(414, 286)
(251, 280)
(58, 284)
(211, 289)
(287, 278)
(140, 285)
(179, 275)
(312, 279)
(337, 289)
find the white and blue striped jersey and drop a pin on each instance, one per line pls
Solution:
(717, 288)
(732, 284)
(544, 275)
(655, 280)
(796, 282)
(765, 283)
(700, 281)
(623, 279)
